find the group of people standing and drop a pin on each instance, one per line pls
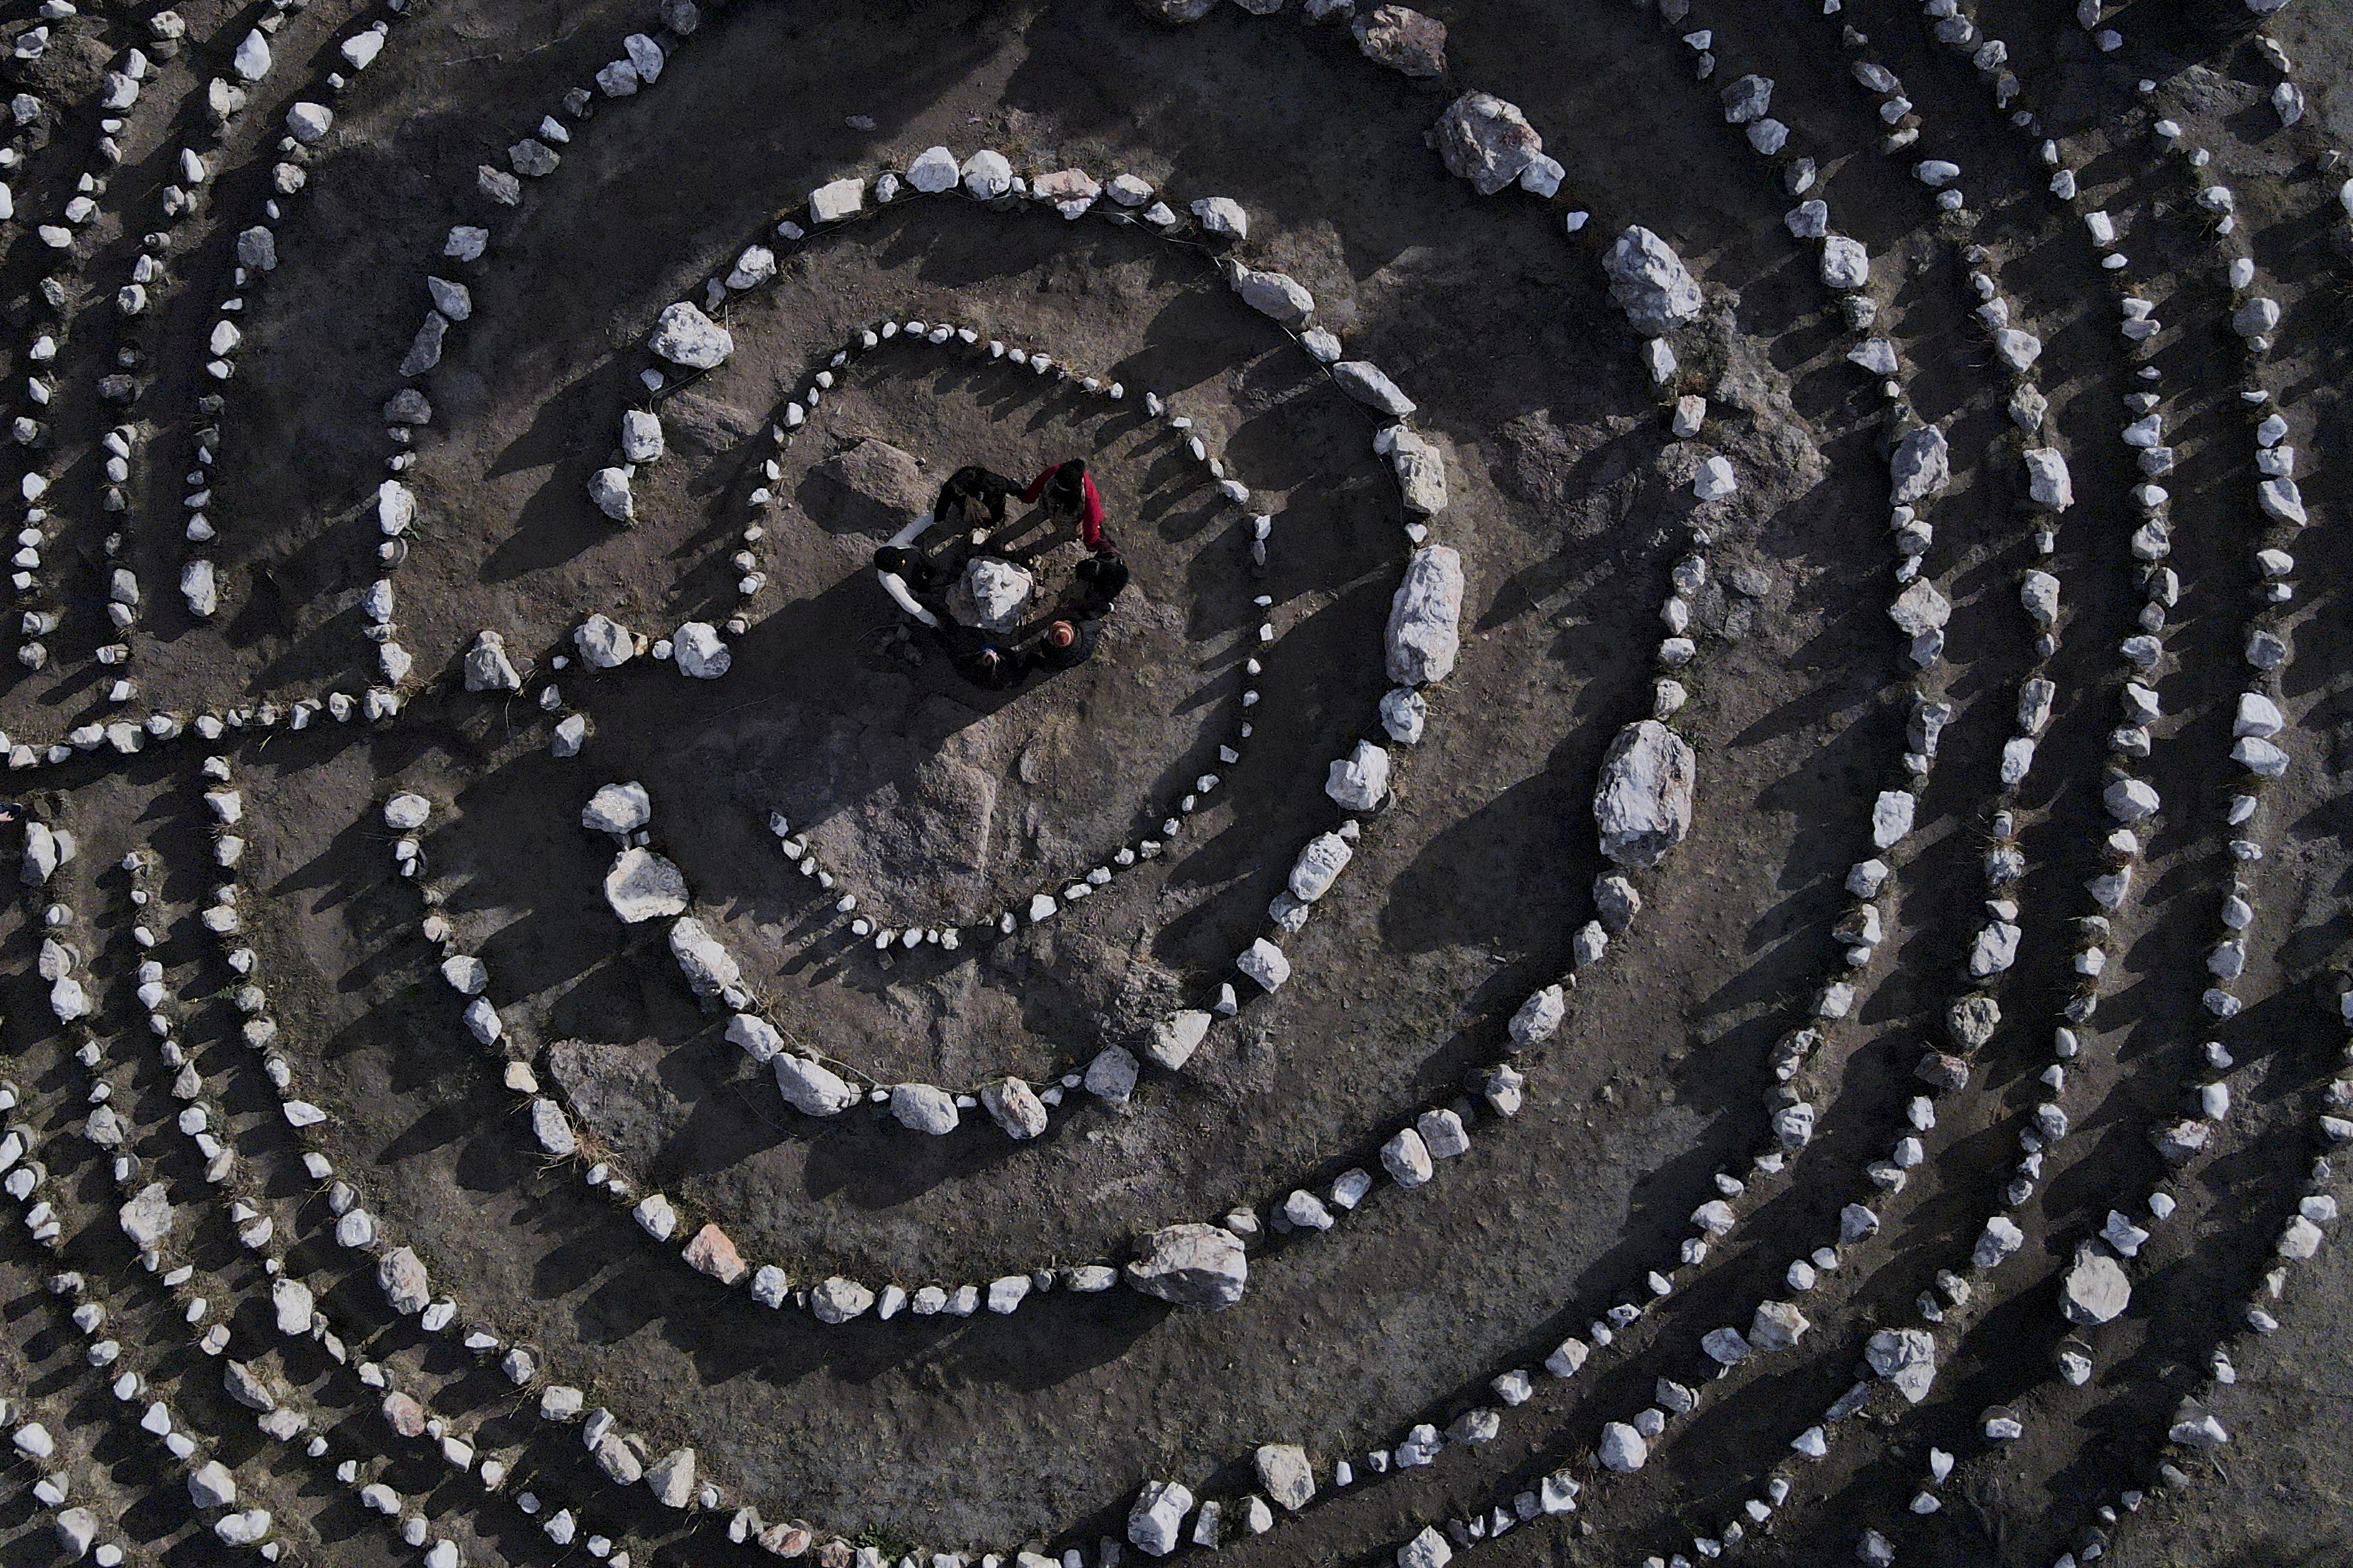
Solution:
(973, 502)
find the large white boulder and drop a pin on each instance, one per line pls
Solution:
(1643, 804)
(1651, 283)
(1425, 614)
(684, 336)
(1192, 1265)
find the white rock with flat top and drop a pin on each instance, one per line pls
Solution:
(935, 170)
(1176, 1037)
(686, 337)
(1198, 1266)
(2096, 1288)
(993, 593)
(618, 808)
(839, 199)
(642, 885)
(923, 1108)
(1284, 1472)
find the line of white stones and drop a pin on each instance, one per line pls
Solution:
(1844, 265)
(146, 1217)
(1162, 1507)
(532, 157)
(298, 1310)
(80, 1531)
(196, 165)
(1899, 1355)
(121, 594)
(2257, 719)
(1904, 1350)
(118, 91)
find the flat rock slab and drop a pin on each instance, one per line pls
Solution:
(871, 487)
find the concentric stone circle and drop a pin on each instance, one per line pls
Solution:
(1999, 857)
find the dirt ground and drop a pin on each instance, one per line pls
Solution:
(938, 805)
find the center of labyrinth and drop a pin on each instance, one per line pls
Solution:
(933, 803)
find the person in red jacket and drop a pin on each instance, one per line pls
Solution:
(1070, 492)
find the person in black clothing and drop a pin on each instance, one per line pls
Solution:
(974, 497)
(1068, 642)
(1101, 576)
(980, 658)
(912, 567)
(993, 668)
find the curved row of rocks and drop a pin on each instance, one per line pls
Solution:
(31, 430)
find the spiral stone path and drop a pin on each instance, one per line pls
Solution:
(1695, 908)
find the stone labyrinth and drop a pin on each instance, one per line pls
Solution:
(1695, 908)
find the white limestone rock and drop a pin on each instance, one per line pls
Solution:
(641, 886)
(641, 435)
(684, 336)
(1176, 1037)
(2047, 479)
(1197, 1266)
(922, 1108)
(1423, 636)
(1643, 803)
(699, 652)
(1223, 217)
(609, 490)
(619, 808)
(488, 668)
(710, 970)
(603, 643)
(986, 175)
(1486, 141)
(1156, 1524)
(1650, 283)
(1370, 385)
(1359, 781)
(1920, 467)
(935, 170)
(1623, 1450)
(1274, 294)
(2096, 1289)
(811, 1088)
